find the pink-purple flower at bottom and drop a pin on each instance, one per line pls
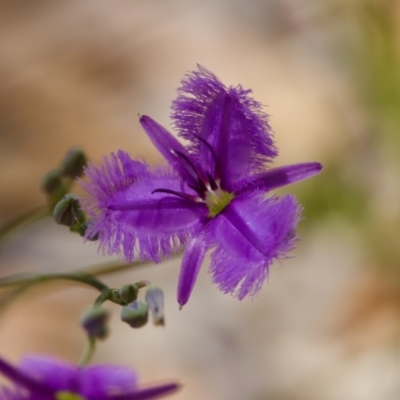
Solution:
(212, 194)
(47, 378)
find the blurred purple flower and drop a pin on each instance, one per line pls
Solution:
(212, 193)
(46, 378)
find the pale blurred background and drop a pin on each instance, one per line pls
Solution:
(327, 324)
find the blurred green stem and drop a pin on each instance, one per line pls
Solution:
(104, 296)
(25, 283)
(88, 352)
(87, 272)
(41, 278)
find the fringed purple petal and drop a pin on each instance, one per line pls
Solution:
(230, 121)
(25, 378)
(116, 173)
(41, 377)
(281, 176)
(170, 148)
(53, 373)
(125, 212)
(238, 265)
(192, 259)
(101, 380)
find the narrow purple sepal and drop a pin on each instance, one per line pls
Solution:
(277, 177)
(229, 120)
(192, 259)
(173, 151)
(238, 265)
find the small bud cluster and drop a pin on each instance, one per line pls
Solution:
(57, 182)
(134, 312)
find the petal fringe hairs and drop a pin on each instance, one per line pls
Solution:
(211, 194)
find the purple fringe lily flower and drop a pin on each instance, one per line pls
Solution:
(46, 378)
(211, 193)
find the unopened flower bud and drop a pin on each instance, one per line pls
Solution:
(155, 300)
(52, 182)
(127, 294)
(94, 321)
(74, 163)
(135, 314)
(68, 211)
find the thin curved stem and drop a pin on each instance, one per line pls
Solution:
(33, 279)
(103, 297)
(25, 284)
(88, 273)
(88, 351)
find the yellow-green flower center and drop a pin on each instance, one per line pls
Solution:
(217, 200)
(64, 395)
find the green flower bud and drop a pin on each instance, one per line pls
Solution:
(135, 314)
(94, 322)
(68, 211)
(155, 299)
(74, 162)
(52, 182)
(127, 294)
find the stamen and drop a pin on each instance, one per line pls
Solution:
(213, 184)
(214, 156)
(179, 194)
(193, 170)
(198, 172)
(200, 190)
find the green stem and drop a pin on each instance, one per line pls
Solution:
(23, 221)
(33, 279)
(91, 271)
(88, 351)
(26, 283)
(104, 296)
